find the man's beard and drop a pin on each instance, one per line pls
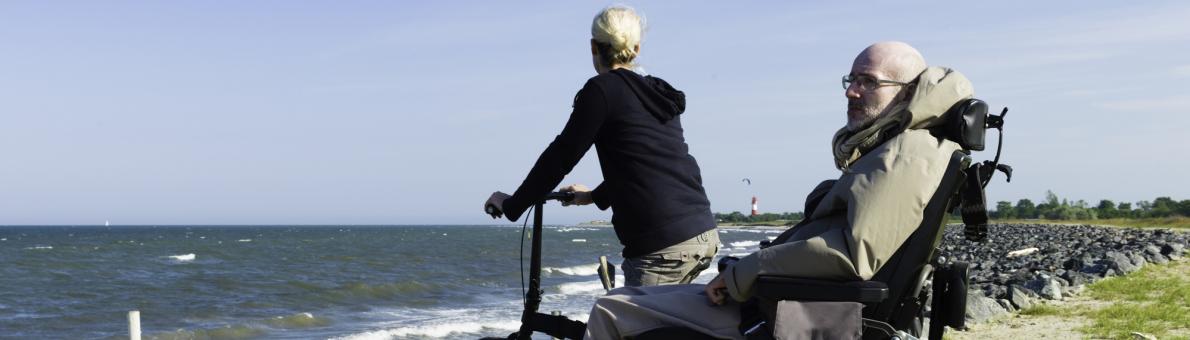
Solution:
(868, 114)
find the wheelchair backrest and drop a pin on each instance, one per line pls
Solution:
(910, 264)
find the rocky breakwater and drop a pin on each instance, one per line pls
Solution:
(1021, 263)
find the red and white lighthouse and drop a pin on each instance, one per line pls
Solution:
(755, 211)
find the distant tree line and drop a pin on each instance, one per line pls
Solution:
(738, 217)
(1054, 209)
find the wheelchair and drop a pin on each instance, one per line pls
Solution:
(916, 284)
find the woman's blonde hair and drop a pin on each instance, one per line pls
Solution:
(617, 30)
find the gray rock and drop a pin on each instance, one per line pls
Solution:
(1137, 260)
(981, 308)
(1046, 287)
(1142, 336)
(1120, 262)
(1156, 258)
(1174, 249)
(1019, 298)
(1068, 258)
(1004, 303)
(1098, 269)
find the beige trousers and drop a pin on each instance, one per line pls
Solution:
(629, 311)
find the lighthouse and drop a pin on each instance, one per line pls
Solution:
(755, 211)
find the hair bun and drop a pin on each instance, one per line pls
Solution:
(619, 27)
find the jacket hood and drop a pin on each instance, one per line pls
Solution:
(937, 89)
(658, 97)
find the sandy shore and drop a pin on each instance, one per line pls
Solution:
(1017, 326)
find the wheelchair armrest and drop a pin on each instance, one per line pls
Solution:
(800, 289)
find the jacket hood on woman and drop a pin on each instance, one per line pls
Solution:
(658, 97)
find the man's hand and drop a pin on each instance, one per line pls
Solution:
(717, 290)
(582, 195)
(494, 204)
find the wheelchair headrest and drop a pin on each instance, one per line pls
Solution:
(966, 123)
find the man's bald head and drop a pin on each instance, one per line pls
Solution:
(896, 60)
(870, 94)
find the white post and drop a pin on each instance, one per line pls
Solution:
(134, 325)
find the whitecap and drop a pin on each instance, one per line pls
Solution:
(245, 240)
(40, 248)
(579, 270)
(587, 287)
(745, 244)
(772, 238)
(570, 229)
(739, 254)
(579, 240)
(436, 330)
(183, 257)
(755, 231)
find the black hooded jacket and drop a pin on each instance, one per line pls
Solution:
(650, 180)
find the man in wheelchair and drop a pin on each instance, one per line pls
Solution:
(892, 161)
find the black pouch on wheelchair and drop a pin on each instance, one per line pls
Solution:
(969, 126)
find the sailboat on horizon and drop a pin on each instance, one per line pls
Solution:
(107, 223)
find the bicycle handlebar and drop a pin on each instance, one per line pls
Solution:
(553, 196)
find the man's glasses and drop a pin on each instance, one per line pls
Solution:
(868, 83)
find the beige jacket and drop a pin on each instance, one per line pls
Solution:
(874, 206)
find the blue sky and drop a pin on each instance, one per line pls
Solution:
(231, 112)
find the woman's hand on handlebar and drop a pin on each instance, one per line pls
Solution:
(582, 195)
(495, 204)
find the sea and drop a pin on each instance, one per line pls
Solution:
(299, 282)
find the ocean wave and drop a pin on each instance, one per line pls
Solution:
(245, 240)
(745, 244)
(39, 248)
(358, 291)
(439, 330)
(579, 240)
(570, 229)
(734, 230)
(739, 254)
(226, 332)
(579, 270)
(299, 320)
(183, 257)
(576, 288)
(772, 238)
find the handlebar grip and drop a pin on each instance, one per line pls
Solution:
(493, 211)
(560, 196)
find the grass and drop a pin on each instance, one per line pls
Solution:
(1154, 300)
(1041, 310)
(1178, 222)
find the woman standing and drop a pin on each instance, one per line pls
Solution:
(660, 210)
